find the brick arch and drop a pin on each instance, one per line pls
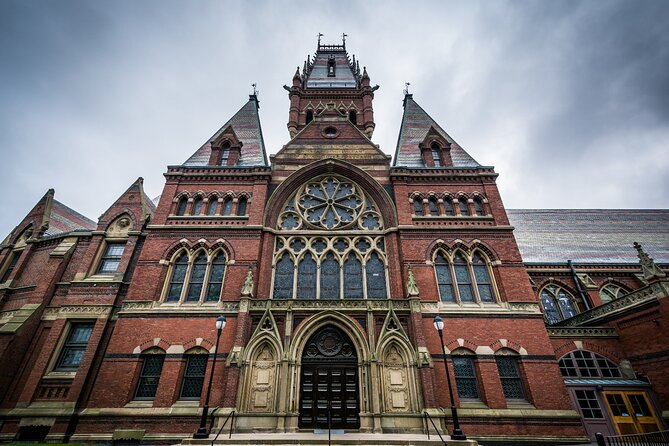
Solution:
(485, 248)
(376, 192)
(454, 344)
(180, 195)
(150, 343)
(501, 344)
(602, 351)
(198, 342)
(125, 212)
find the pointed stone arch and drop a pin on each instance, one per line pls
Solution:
(336, 319)
(260, 376)
(399, 386)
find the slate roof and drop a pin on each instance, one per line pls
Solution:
(416, 124)
(318, 76)
(246, 125)
(590, 235)
(65, 219)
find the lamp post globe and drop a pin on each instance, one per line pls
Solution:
(457, 432)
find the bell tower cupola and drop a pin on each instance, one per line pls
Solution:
(331, 80)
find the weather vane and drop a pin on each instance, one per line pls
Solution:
(343, 38)
(406, 88)
(255, 92)
(319, 39)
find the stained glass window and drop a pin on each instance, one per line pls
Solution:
(482, 277)
(611, 292)
(306, 271)
(465, 377)
(283, 277)
(432, 204)
(178, 278)
(152, 367)
(191, 386)
(558, 304)
(330, 277)
(478, 206)
(418, 206)
(197, 278)
(216, 278)
(448, 206)
(74, 347)
(241, 206)
(376, 277)
(352, 278)
(213, 206)
(464, 207)
(227, 206)
(509, 374)
(463, 278)
(197, 206)
(444, 279)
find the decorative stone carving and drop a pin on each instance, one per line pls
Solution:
(424, 357)
(582, 332)
(72, 311)
(247, 288)
(262, 388)
(412, 286)
(587, 281)
(396, 382)
(648, 267)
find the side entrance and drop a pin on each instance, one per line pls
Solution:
(329, 382)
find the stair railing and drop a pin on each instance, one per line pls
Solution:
(428, 417)
(231, 415)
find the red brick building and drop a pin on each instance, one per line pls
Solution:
(330, 261)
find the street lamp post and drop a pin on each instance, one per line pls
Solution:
(202, 430)
(457, 432)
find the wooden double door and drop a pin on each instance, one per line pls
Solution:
(329, 382)
(631, 412)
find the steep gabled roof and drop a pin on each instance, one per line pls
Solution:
(317, 70)
(246, 125)
(63, 219)
(416, 124)
(590, 235)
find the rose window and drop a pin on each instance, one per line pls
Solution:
(330, 203)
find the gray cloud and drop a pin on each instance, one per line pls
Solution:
(569, 100)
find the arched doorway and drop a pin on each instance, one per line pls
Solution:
(329, 381)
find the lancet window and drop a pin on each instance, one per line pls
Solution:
(558, 304)
(464, 278)
(330, 244)
(196, 277)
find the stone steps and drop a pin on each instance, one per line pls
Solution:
(346, 439)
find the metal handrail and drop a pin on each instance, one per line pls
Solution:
(648, 438)
(232, 426)
(211, 417)
(427, 416)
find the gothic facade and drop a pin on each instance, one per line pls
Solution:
(330, 260)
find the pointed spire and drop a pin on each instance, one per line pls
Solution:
(297, 73)
(364, 73)
(649, 268)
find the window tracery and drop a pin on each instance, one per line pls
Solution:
(463, 277)
(558, 304)
(329, 257)
(611, 292)
(196, 277)
(586, 364)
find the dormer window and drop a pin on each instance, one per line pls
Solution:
(225, 154)
(331, 66)
(436, 155)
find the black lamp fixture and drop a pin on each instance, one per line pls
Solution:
(457, 432)
(202, 430)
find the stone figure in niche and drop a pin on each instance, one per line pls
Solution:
(247, 288)
(412, 286)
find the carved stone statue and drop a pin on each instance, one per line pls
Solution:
(412, 286)
(247, 288)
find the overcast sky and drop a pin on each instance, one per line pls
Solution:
(569, 100)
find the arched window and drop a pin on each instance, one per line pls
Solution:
(376, 277)
(586, 364)
(611, 292)
(241, 206)
(465, 374)
(197, 206)
(193, 378)
(309, 117)
(181, 207)
(463, 280)
(436, 154)
(478, 206)
(353, 117)
(330, 277)
(178, 277)
(432, 204)
(558, 304)
(444, 278)
(306, 271)
(464, 207)
(227, 206)
(509, 375)
(418, 206)
(225, 153)
(448, 206)
(197, 278)
(482, 276)
(283, 277)
(213, 205)
(152, 367)
(216, 273)
(353, 278)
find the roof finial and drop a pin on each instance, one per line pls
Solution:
(319, 40)
(255, 92)
(343, 39)
(649, 268)
(406, 88)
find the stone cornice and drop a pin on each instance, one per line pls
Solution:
(74, 311)
(582, 332)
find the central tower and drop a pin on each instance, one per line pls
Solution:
(331, 80)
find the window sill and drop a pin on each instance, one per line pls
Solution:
(140, 403)
(60, 375)
(187, 403)
(113, 277)
(473, 405)
(519, 404)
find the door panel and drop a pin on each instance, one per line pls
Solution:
(631, 412)
(329, 386)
